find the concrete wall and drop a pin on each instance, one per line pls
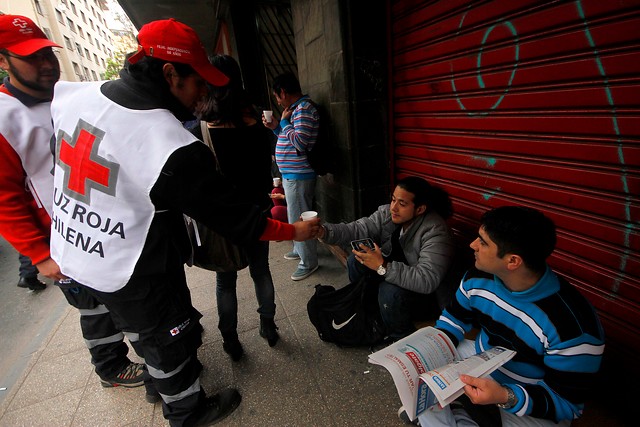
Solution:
(342, 66)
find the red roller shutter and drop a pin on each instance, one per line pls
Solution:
(532, 103)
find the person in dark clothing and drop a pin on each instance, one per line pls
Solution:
(242, 148)
(126, 173)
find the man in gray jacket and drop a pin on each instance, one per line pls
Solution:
(413, 249)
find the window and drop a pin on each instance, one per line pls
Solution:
(67, 43)
(91, 23)
(59, 17)
(90, 41)
(47, 33)
(79, 49)
(84, 18)
(73, 9)
(86, 53)
(95, 77)
(70, 23)
(97, 43)
(76, 68)
(80, 31)
(86, 73)
(38, 7)
(103, 63)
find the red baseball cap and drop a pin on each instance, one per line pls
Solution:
(174, 41)
(20, 36)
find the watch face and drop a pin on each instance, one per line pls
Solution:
(382, 271)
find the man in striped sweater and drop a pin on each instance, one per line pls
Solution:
(297, 133)
(521, 304)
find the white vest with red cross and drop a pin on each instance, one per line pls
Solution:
(28, 130)
(108, 158)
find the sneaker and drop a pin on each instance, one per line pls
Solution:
(131, 376)
(32, 283)
(291, 255)
(300, 273)
(404, 417)
(269, 330)
(215, 408)
(233, 348)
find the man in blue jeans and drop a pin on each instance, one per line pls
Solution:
(413, 251)
(297, 133)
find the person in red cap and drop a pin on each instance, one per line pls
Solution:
(25, 163)
(126, 172)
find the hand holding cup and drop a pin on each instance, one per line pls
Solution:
(307, 228)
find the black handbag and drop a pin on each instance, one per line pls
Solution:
(211, 251)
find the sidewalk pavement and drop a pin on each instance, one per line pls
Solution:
(302, 381)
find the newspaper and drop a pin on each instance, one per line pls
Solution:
(425, 367)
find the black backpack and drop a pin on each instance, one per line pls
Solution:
(320, 156)
(348, 317)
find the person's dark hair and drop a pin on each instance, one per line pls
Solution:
(230, 103)
(521, 231)
(150, 69)
(435, 198)
(287, 82)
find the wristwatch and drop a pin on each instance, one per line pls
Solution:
(511, 400)
(381, 270)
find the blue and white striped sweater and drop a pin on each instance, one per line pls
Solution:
(554, 330)
(295, 137)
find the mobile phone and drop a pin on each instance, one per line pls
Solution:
(355, 244)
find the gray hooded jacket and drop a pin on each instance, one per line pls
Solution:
(428, 246)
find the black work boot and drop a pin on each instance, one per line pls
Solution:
(32, 283)
(215, 408)
(268, 330)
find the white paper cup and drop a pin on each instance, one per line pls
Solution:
(268, 115)
(308, 215)
(276, 182)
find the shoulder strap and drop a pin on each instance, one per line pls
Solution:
(206, 138)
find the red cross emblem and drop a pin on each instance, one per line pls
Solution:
(83, 168)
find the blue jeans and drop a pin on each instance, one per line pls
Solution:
(299, 195)
(397, 305)
(258, 254)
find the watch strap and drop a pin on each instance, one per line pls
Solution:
(511, 399)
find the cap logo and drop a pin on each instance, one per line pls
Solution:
(177, 51)
(23, 25)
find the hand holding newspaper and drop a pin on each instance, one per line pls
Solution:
(425, 367)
